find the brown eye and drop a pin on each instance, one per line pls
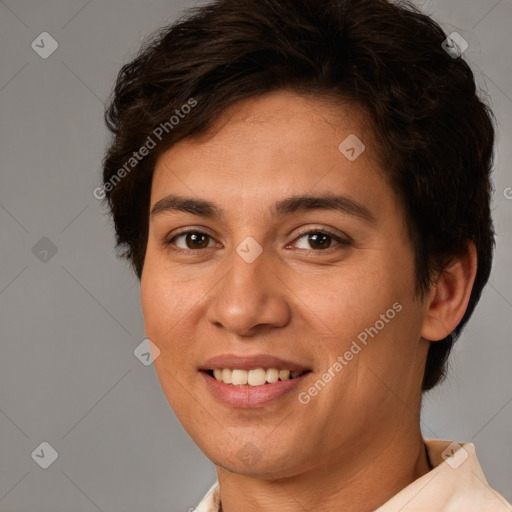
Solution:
(196, 240)
(319, 240)
(191, 240)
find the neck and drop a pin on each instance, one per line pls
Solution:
(361, 481)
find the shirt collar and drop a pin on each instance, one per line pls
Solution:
(456, 483)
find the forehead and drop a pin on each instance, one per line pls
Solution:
(271, 146)
(281, 118)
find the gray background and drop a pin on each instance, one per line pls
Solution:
(71, 320)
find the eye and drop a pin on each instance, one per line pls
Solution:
(318, 240)
(191, 240)
(321, 240)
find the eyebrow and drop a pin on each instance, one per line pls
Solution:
(293, 204)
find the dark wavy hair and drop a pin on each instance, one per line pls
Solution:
(435, 136)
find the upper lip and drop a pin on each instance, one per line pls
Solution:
(237, 362)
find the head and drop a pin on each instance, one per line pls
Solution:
(220, 125)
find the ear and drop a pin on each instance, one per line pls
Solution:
(449, 296)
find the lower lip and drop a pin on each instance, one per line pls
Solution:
(250, 396)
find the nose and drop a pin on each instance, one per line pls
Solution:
(250, 299)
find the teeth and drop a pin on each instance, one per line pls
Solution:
(239, 377)
(272, 375)
(284, 374)
(226, 376)
(255, 377)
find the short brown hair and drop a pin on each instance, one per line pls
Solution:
(434, 134)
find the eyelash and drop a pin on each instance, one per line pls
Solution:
(323, 231)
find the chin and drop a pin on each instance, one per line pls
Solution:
(252, 458)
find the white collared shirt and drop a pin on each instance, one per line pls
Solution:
(456, 484)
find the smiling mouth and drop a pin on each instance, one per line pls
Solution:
(254, 377)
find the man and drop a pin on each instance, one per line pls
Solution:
(303, 189)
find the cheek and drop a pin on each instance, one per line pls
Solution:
(353, 298)
(156, 303)
(166, 308)
(370, 303)
(165, 301)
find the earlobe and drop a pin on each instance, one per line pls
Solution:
(449, 296)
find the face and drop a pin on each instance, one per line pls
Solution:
(248, 278)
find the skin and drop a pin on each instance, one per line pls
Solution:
(358, 441)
